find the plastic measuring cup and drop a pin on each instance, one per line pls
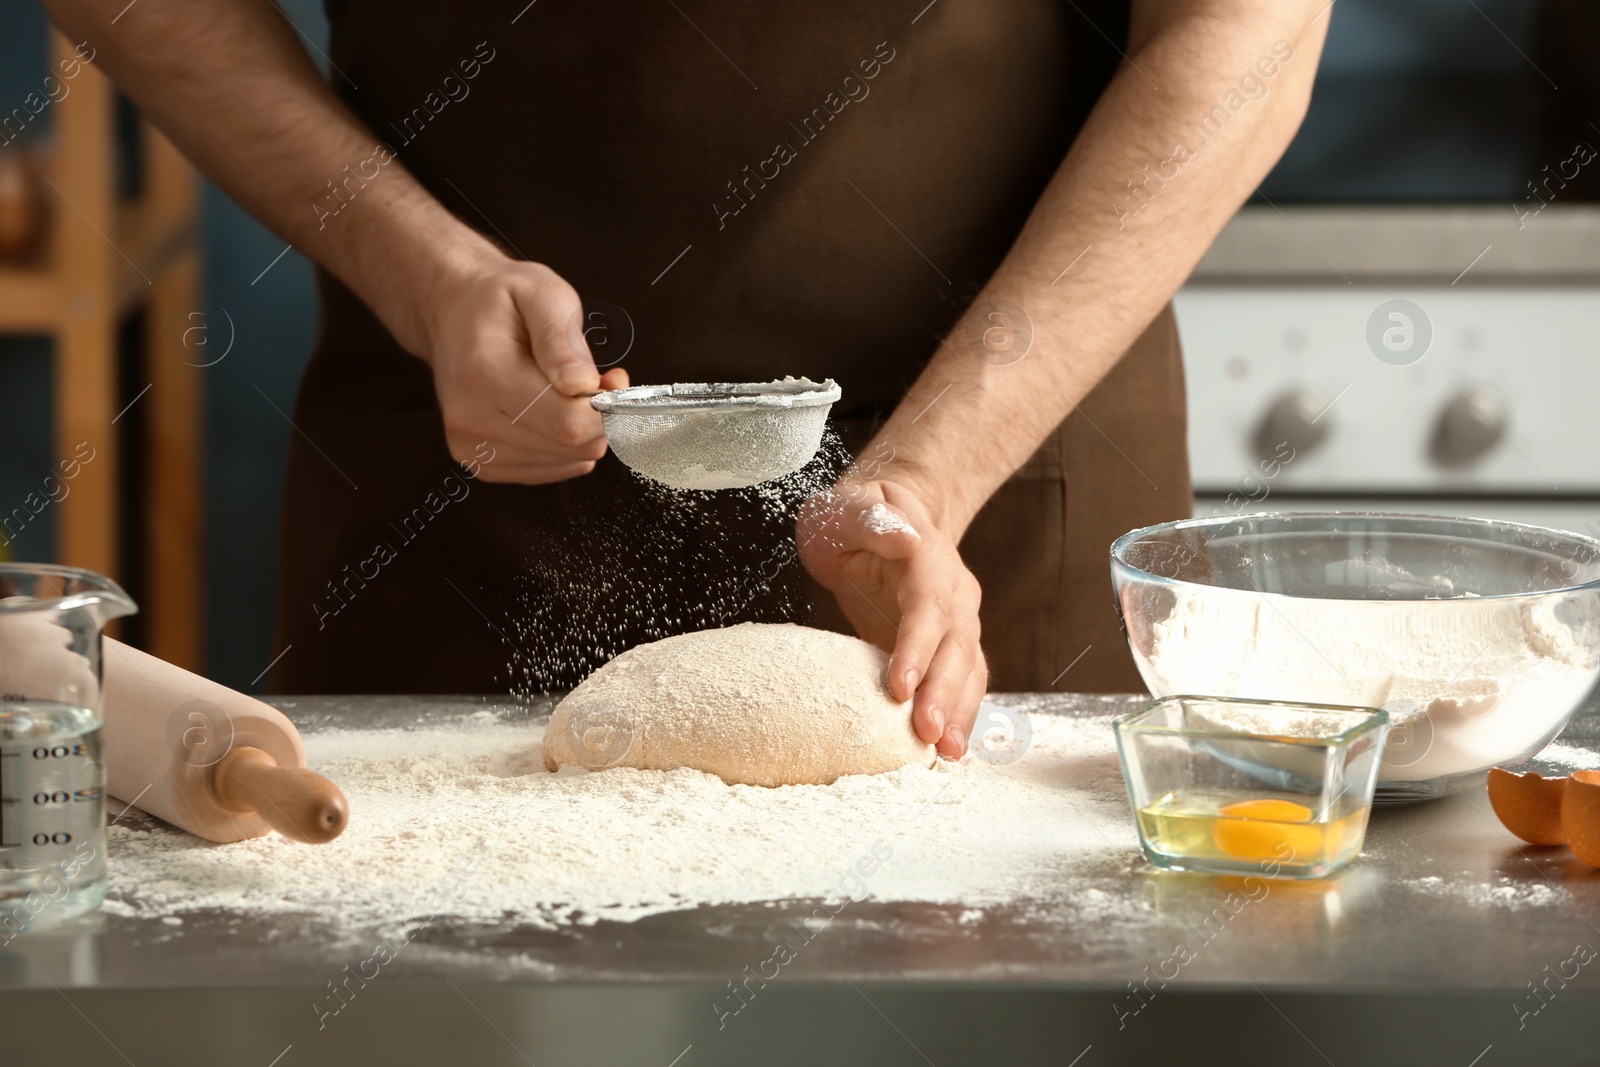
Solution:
(52, 769)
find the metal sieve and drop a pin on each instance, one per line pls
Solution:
(719, 435)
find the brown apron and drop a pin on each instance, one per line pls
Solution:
(812, 189)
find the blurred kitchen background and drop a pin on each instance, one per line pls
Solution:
(1410, 310)
(273, 321)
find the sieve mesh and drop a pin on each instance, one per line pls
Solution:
(717, 436)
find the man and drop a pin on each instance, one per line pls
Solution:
(967, 214)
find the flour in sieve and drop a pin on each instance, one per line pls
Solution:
(711, 448)
(621, 844)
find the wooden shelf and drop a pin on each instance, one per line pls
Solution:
(29, 300)
(104, 257)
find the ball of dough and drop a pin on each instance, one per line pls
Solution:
(756, 704)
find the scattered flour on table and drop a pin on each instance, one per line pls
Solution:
(1500, 891)
(1569, 757)
(1512, 895)
(465, 822)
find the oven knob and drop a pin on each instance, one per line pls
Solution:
(1469, 427)
(1298, 419)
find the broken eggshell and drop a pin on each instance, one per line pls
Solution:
(1529, 805)
(1580, 815)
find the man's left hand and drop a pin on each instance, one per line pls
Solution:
(903, 586)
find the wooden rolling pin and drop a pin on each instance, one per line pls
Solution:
(213, 761)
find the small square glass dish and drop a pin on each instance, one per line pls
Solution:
(1259, 787)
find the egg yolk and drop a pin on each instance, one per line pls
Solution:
(1261, 829)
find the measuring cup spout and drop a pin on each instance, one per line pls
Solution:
(46, 588)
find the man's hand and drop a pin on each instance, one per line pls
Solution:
(903, 586)
(510, 364)
(233, 87)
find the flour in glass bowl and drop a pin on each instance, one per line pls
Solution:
(464, 821)
(1478, 680)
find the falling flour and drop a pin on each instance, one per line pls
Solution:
(465, 813)
(676, 561)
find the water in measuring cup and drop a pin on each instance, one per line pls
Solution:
(52, 814)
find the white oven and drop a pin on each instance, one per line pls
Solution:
(1291, 408)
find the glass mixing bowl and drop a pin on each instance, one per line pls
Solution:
(1480, 638)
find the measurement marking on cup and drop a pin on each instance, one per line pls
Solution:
(49, 795)
(4, 800)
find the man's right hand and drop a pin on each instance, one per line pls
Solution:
(511, 366)
(233, 87)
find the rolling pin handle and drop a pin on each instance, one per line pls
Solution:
(299, 804)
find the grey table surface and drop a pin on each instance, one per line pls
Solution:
(1458, 958)
(1500, 912)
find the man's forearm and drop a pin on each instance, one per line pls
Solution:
(232, 86)
(1162, 164)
